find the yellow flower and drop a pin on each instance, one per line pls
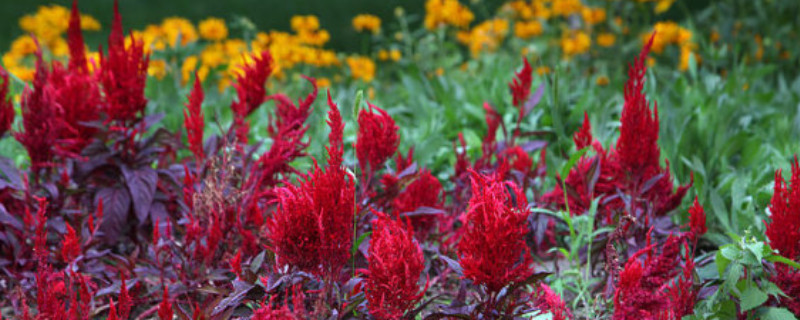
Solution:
(22, 72)
(324, 82)
(527, 29)
(23, 45)
(606, 39)
(157, 69)
(662, 6)
(602, 81)
(176, 28)
(188, 68)
(395, 55)
(28, 23)
(213, 29)
(89, 23)
(575, 43)
(439, 71)
(447, 12)
(361, 68)
(593, 16)
(383, 55)
(305, 23)
(213, 55)
(371, 93)
(543, 70)
(714, 36)
(367, 22)
(59, 47)
(566, 7)
(486, 36)
(686, 53)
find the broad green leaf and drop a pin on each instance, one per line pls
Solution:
(752, 297)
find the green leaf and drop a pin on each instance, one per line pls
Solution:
(784, 260)
(778, 314)
(359, 241)
(722, 263)
(571, 163)
(752, 297)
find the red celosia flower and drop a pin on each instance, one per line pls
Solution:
(6, 106)
(424, 191)
(518, 159)
(521, 85)
(549, 301)
(71, 246)
(165, 307)
(112, 311)
(395, 263)
(583, 137)
(783, 233)
(40, 128)
(377, 138)
(236, 263)
(312, 227)
(250, 92)
(125, 302)
(194, 120)
(77, 53)
(267, 312)
(697, 219)
(78, 96)
(784, 230)
(492, 249)
(123, 72)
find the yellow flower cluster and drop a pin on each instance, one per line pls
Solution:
(527, 29)
(447, 12)
(213, 29)
(575, 42)
(367, 22)
(668, 33)
(606, 39)
(565, 7)
(523, 10)
(486, 36)
(385, 55)
(48, 25)
(362, 68)
(593, 16)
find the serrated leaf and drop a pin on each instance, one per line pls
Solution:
(778, 314)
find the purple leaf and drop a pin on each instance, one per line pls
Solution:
(141, 183)
(116, 203)
(533, 100)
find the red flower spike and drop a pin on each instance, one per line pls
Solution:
(165, 307)
(521, 86)
(783, 231)
(71, 246)
(549, 301)
(40, 242)
(312, 227)
(125, 301)
(697, 219)
(112, 311)
(40, 127)
(250, 92)
(377, 138)
(194, 120)
(583, 137)
(236, 264)
(424, 191)
(395, 263)
(77, 53)
(123, 72)
(492, 249)
(6, 106)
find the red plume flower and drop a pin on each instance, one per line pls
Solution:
(194, 120)
(71, 246)
(125, 302)
(583, 137)
(312, 228)
(250, 92)
(492, 249)
(697, 219)
(6, 106)
(395, 264)
(123, 72)
(783, 233)
(377, 138)
(165, 307)
(77, 53)
(521, 85)
(112, 311)
(424, 191)
(40, 128)
(549, 301)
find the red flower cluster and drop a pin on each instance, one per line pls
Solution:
(492, 249)
(195, 120)
(6, 106)
(424, 191)
(632, 166)
(123, 72)
(312, 227)
(395, 264)
(549, 301)
(646, 289)
(377, 138)
(697, 220)
(521, 85)
(783, 233)
(71, 246)
(250, 92)
(39, 131)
